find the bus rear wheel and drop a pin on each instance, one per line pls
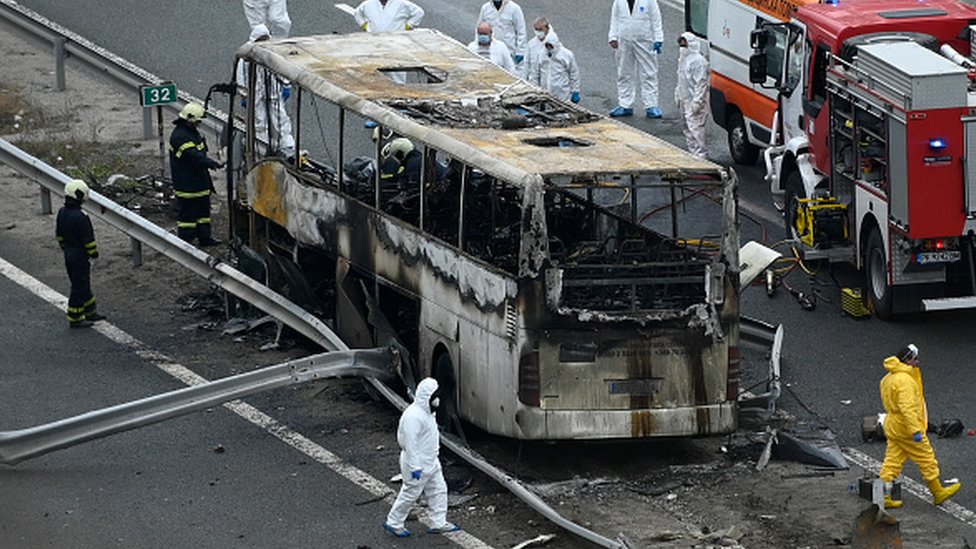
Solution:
(743, 152)
(876, 275)
(448, 417)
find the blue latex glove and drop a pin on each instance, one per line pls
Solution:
(415, 474)
(244, 102)
(519, 58)
(657, 47)
(575, 98)
(917, 437)
(286, 92)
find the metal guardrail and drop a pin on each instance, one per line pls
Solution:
(17, 446)
(120, 70)
(768, 336)
(209, 267)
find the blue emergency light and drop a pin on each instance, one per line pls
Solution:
(937, 143)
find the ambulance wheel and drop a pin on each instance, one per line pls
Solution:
(793, 192)
(876, 275)
(743, 152)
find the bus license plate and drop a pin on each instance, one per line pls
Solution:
(948, 256)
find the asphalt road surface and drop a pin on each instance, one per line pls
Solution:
(832, 364)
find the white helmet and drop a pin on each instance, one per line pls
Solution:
(400, 147)
(76, 189)
(192, 112)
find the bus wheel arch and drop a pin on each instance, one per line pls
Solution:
(743, 152)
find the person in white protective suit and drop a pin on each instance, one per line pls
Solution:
(270, 13)
(508, 22)
(270, 94)
(493, 50)
(637, 36)
(561, 74)
(420, 467)
(388, 15)
(691, 92)
(535, 51)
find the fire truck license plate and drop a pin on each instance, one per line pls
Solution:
(925, 258)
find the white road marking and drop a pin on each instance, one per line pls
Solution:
(346, 8)
(364, 480)
(914, 487)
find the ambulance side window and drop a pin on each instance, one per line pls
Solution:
(775, 53)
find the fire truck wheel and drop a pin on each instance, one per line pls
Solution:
(743, 152)
(876, 275)
(793, 192)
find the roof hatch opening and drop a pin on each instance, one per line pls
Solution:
(414, 75)
(559, 141)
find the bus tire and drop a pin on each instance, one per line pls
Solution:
(876, 275)
(793, 193)
(743, 152)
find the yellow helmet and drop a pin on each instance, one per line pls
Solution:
(400, 147)
(76, 189)
(192, 112)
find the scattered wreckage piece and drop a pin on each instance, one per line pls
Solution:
(813, 446)
(537, 541)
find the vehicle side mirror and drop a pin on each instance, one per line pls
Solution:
(757, 68)
(757, 39)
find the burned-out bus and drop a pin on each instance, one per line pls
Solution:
(562, 275)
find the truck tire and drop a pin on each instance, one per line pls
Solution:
(793, 192)
(743, 152)
(876, 275)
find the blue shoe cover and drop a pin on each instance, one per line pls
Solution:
(398, 532)
(449, 527)
(654, 112)
(370, 124)
(621, 111)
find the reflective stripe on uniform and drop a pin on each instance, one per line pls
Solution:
(203, 221)
(188, 145)
(186, 224)
(194, 194)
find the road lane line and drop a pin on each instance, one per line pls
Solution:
(364, 480)
(346, 8)
(914, 487)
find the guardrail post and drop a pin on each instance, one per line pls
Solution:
(136, 252)
(59, 44)
(45, 201)
(147, 124)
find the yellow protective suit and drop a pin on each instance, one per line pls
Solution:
(904, 402)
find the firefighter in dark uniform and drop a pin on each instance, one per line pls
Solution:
(192, 184)
(77, 238)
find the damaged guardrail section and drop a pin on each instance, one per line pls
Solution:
(17, 446)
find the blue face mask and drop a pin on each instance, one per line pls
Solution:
(484, 39)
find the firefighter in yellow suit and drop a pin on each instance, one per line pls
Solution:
(905, 426)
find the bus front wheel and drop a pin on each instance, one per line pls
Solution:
(876, 275)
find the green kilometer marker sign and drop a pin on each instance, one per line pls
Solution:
(160, 94)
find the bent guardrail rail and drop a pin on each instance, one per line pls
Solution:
(762, 333)
(23, 444)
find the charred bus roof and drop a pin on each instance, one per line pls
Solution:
(469, 108)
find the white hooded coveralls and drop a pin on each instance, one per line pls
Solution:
(420, 443)
(636, 32)
(691, 94)
(394, 16)
(496, 52)
(507, 25)
(266, 104)
(271, 13)
(536, 58)
(561, 74)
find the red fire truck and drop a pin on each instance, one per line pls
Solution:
(869, 160)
